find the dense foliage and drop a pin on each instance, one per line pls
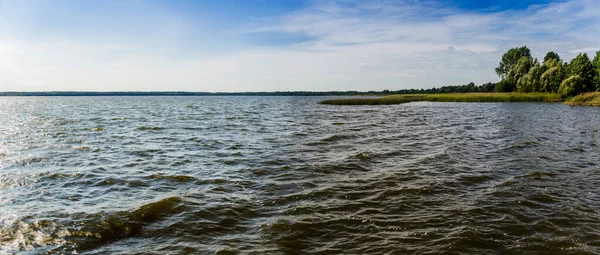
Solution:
(447, 97)
(510, 59)
(522, 73)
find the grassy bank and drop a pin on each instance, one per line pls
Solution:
(394, 99)
(494, 97)
(589, 99)
(453, 97)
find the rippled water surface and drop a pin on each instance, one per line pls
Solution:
(285, 175)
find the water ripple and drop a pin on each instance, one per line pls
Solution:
(285, 175)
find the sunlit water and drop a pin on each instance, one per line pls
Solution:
(285, 175)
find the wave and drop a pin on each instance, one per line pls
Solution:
(335, 138)
(100, 229)
(84, 231)
(27, 161)
(145, 128)
(174, 178)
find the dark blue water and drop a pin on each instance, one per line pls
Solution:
(285, 175)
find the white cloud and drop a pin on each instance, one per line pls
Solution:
(397, 47)
(585, 50)
(358, 46)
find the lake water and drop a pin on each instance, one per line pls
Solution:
(285, 175)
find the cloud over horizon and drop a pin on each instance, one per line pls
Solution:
(309, 45)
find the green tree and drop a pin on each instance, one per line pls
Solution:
(565, 68)
(510, 58)
(596, 64)
(582, 67)
(530, 82)
(523, 66)
(571, 86)
(551, 63)
(551, 79)
(524, 84)
(519, 70)
(504, 86)
(552, 55)
(535, 73)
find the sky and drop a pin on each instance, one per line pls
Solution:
(278, 45)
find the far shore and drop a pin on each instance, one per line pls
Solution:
(450, 97)
(187, 93)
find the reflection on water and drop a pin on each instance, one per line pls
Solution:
(285, 175)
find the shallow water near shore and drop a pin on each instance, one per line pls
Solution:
(286, 175)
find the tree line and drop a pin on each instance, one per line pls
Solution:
(521, 72)
(471, 87)
(183, 93)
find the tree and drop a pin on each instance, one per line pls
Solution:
(524, 84)
(550, 63)
(596, 64)
(503, 86)
(571, 86)
(488, 87)
(550, 80)
(552, 55)
(582, 67)
(535, 73)
(510, 58)
(519, 70)
(530, 82)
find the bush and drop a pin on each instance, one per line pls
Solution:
(571, 86)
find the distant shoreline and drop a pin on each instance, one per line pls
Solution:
(449, 97)
(181, 93)
(471, 87)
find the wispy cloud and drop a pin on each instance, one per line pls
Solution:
(430, 44)
(585, 50)
(332, 45)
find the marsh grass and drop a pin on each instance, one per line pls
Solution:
(453, 97)
(494, 97)
(589, 99)
(400, 99)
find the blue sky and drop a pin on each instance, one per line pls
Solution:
(266, 45)
(496, 5)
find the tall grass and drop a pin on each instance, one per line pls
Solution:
(591, 99)
(375, 101)
(454, 97)
(494, 97)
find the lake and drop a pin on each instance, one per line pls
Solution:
(286, 175)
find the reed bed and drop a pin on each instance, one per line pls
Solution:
(494, 97)
(375, 101)
(587, 99)
(453, 97)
